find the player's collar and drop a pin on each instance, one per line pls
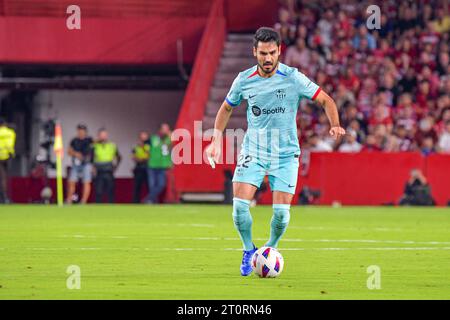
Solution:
(256, 73)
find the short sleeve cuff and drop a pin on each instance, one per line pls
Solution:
(316, 94)
(231, 103)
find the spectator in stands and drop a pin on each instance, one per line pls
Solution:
(343, 96)
(392, 143)
(408, 82)
(325, 27)
(350, 144)
(380, 134)
(160, 161)
(443, 63)
(426, 129)
(80, 151)
(442, 21)
(444, 139)
(407, 118)
(404, 142)
(298, 56)
(427, 146)
(417, 191)
(380, 115)
(371, 144)
(322, 126)
(106, 158)
(355, 126)
(140, 155)
(442, 111)
(350, 114)
(424, 96)
(318, 144)
(363, 34)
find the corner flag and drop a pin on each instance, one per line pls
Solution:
(59, 151)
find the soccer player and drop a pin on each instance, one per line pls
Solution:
(270, 147)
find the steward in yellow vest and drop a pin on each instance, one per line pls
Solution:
(106, 159)
(7, 142)
(140, 154)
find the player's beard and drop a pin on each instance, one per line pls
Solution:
(261, 67)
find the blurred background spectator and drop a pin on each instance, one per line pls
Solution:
(7, 151)
(141, 155)
(80, 151)
(106, 158)
(160, 161)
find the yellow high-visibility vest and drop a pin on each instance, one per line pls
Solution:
(141, 152)
(104, 152)
(7, 142)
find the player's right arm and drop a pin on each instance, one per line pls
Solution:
(223, 116)
(232, 100)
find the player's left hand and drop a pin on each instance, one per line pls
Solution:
(337, 132)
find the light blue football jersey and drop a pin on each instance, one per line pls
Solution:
(272, 109)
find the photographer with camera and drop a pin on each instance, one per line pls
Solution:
(417, 191)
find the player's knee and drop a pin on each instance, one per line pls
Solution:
(281, 214)
(241, 211)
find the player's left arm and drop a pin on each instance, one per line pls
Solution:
(336, 131)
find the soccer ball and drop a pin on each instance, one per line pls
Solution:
(267, 262)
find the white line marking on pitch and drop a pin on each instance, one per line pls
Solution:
(310, 240)
(196, 225)
(80, 236)
(349, 229)
(235, 249)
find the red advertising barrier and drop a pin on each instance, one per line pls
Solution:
(28, 190)
(361, 178)
(437, 171)
(350, 179)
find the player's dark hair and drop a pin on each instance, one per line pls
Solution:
(266, 34)
(2, 121)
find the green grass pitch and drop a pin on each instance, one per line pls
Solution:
(193, 252)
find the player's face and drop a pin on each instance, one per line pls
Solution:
(267, 54)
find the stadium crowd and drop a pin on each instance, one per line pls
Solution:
(391, 84)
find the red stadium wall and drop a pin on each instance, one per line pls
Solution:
(207, 59)
(118, 41)
(249, 15)
(127, 38)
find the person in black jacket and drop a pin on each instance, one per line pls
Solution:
(417, 191)
(80, 151)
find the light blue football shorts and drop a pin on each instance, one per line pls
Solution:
(282, 172)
